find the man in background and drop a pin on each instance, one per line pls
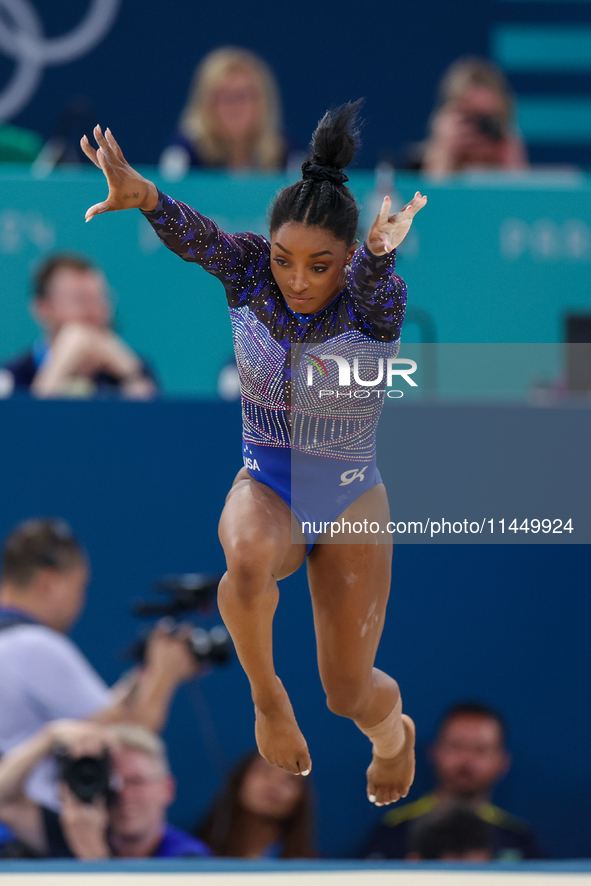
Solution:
(450, 832)
(469, 757)
(79, 354)
(43, 675)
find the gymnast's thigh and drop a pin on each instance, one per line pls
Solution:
(256, 521)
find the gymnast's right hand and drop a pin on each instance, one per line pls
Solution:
(127, 188)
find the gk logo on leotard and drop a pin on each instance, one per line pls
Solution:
(354, 474)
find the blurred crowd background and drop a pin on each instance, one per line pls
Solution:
(134, 72)
(489, 104)
(487, 109)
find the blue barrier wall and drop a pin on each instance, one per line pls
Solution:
(143, 485)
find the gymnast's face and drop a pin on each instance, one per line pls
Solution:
(309, 265)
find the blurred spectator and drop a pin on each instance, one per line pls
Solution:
(451, 832)
(473, 126)
(43, 675)
(18, 145)
(262, 812)
(469, 757)
(129, 823)
(79, 354)
(232, 119)
(77, 117)
(229, 380)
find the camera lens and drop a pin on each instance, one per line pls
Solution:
(87, 777)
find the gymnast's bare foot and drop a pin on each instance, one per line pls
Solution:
(390, 779)
(279, 738)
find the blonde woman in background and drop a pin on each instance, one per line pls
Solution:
(473, 126)
(232, 119)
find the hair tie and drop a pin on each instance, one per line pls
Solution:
(316, 173)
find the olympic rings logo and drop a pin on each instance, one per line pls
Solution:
(22, 39)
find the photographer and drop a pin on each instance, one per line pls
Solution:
(43, 675)
(126, 795)
(473, 126)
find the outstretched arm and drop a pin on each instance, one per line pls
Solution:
(169, 662)
(388, 231)
(186, 232)
(380, 295)
(127, 188)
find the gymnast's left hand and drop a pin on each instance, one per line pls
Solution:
(127, 188)
(388, 231)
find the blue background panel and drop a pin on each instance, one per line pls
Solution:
(554, 119)
(542, 47)
(143, 486)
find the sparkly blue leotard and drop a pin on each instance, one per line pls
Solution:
(315, 446)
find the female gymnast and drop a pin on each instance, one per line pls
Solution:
(311, 284)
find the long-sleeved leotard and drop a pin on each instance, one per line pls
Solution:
(278, 353)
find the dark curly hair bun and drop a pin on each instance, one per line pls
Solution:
(337, 136)
(321, 198)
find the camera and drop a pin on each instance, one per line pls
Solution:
(491, 126)
(86, 777)
(190, 592)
